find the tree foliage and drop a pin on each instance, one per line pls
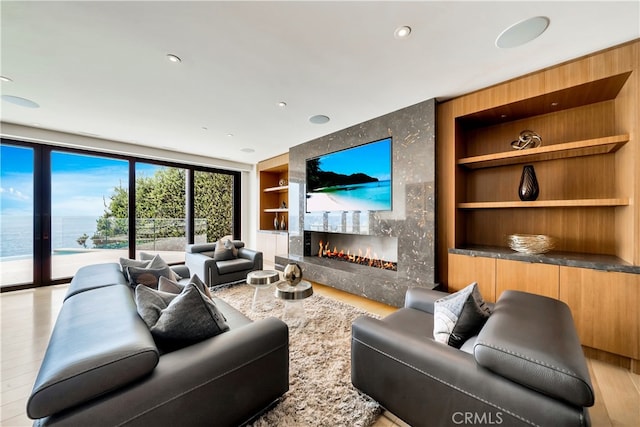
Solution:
(161, 209)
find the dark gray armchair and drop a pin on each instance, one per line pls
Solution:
(525, 367)
(201, 260)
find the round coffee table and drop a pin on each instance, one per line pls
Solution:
(262, 281)
(293, 297)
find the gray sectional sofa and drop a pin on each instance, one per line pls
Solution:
(103, 368)
(524, 368)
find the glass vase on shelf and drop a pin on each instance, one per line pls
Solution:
(276, 224)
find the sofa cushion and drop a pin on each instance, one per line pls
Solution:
(148, 276)
(531, 339)
(459, 316)
(125, 263)
(96, 276)
(234, 265)
(99, 344)
(179, 319)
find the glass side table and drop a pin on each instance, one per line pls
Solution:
(293, 296)
(262, 281)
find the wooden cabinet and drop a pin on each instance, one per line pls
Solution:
(464, 270)
(541, 279)
(605, 307)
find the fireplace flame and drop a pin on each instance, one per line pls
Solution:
(366, 259)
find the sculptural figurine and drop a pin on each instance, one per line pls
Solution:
(292, 274)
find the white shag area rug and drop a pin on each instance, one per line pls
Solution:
(320, 390)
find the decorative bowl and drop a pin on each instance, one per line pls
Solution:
(531, 243)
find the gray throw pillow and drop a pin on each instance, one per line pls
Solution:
(229, 245)
(222, 253)
(183, 318)
(158, 262)
(459, 316)
(126, 262)
(171, 286)
(147, 276)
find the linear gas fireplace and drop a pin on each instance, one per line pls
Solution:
(368, 251)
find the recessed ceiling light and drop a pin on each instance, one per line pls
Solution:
(247, 150)
(173, 58)
(402, 32)
(5, 79)
(282, 104)
(23, 102)
(230, 135)
(522, 32)
(319, 119)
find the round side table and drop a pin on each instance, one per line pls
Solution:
(262, 281)
(293, 297)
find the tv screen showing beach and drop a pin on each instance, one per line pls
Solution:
(355, 179)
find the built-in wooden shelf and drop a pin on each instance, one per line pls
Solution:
(276, 210)
(588, 147)
(279, 189)
(547, 204)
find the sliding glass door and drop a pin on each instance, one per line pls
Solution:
(89, 218)
(16, 215)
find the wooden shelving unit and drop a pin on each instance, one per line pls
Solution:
(588, 170)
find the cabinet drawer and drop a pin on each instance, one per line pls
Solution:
(541, 279)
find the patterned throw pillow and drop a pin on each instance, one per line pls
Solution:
(459, 316)
(179, 319)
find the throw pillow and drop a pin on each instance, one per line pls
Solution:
(147, 276)
(222, 253)
(459, 316)
(229, 245)
(168, 285)
(183, 318)
(157, 262)
(126, 262)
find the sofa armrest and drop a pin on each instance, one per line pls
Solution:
(422, 299)
(226, 380)
(182, 271)
(253, 256)
(201, 265)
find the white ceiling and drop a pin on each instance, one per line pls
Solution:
(100, 68)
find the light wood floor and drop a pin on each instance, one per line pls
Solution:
(27, 318)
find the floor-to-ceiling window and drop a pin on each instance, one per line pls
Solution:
(16, 214)
(85, 210)
(161, 210)
(213, 206)
(64, 208)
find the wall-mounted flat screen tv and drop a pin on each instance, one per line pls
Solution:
(355, 179)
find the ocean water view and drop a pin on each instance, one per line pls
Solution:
(368, 196)
(17, 234)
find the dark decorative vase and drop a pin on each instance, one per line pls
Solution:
(528, 190)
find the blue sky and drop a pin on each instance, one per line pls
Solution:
(80, 183)
(372, 159)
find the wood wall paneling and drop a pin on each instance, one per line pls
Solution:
(464, 270)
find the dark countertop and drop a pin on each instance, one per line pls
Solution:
(567, 259)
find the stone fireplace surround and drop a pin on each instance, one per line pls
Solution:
(409, 228)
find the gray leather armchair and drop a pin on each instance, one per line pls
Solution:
(525, 367)
(201, 261)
